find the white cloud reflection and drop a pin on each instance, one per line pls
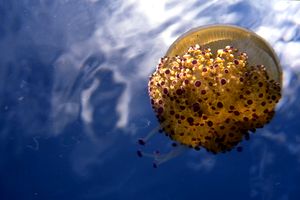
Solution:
(203, 162)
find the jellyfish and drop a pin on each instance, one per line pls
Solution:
(215, 85)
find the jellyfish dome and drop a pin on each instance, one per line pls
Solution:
(215, 85)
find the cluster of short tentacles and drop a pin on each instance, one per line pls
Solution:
(212, 99)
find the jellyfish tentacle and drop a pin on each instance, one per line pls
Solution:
(143, 141)
(161, 158)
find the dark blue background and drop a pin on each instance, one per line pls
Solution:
(52, 153)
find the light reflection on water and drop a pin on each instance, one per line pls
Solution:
(74, 86)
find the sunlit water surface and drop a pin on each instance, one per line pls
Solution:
(73, 87)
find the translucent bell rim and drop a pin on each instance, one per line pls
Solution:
(218, 36)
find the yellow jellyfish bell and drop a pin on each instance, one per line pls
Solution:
(214, 85)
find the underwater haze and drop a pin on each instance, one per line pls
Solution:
(74, 101)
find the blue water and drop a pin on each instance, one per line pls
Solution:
(73, 102)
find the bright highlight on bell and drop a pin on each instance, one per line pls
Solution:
(214, 85)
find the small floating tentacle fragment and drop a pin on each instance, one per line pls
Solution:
(159, 158)
(214, 85)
